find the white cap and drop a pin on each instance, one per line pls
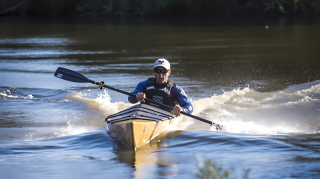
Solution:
(163, 63)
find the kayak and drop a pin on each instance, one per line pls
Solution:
(138, 125)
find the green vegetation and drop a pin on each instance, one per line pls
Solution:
(200, 7)
(123, 7)
(207, 169)
(159, 7)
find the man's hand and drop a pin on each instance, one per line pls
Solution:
(177, 109)
(141, 96)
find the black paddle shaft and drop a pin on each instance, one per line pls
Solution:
(69, 75)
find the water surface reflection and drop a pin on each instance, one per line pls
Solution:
(262, 83)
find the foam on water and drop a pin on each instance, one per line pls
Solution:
(100, 101)
(60, 132)
(240, 110)
(7, 94)
(248, 111)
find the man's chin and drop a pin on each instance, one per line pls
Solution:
(161, 81)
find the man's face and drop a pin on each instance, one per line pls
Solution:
(161, 78)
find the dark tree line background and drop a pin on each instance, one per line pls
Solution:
(159, 7)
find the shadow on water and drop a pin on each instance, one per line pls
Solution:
(305, 141)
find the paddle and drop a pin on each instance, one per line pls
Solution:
(73, 76)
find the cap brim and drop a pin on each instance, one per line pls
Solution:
(161, 66)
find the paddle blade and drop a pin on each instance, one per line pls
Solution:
(69, 75)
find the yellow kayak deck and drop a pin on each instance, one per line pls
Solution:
(138, 125)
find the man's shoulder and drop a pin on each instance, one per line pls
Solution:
(175, 86)
(144, 83)
(177, 89)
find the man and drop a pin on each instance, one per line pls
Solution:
(162, 90)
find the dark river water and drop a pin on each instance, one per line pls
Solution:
(260, 80)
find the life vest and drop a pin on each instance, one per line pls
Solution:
(162, 95)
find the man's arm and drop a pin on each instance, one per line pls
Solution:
(180, 96)
(140, 88)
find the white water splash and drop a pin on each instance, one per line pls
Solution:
(239, 110)
(7, 94)
(248, 111)
(101, 101)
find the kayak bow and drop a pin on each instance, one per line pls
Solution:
(139, 124)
